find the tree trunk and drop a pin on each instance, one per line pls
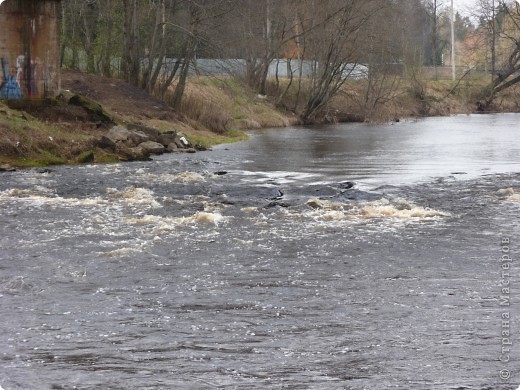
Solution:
(107, 57)
(131, 60)
(147, 73)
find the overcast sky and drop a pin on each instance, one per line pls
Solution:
(463, 6)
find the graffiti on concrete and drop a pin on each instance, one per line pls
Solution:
(10, 87)
(29, 49)
(22, 82)
(20, 61)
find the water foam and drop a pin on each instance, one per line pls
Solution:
(121, 252)
(133, 196)
(136, 196)
(184, 177)
(45, 197)
(166, 224)
(158, 224)
(510, 194)
(205, 217)
(399, 209)
(249, 210)
(188, 177)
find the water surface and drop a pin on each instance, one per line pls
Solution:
(274, 273)
(395, 153)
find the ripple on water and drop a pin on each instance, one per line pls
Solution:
(320, 294)
(15, 286)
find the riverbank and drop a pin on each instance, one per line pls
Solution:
(68, 129)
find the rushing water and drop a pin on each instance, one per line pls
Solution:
(260, 266)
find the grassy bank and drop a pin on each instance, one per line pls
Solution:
(214, 110)
(59, 134)
(27, 142)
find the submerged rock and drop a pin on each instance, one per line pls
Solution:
(44, 170)
(277, 204)
(346, 185)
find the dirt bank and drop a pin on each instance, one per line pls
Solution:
(66, 130)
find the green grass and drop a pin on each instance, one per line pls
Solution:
(209, 140)
(37, 144)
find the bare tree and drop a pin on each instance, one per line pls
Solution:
(156, 43)
(131, 61)
(434, 7)
(331, 31)
(508, 35)
(156, 49)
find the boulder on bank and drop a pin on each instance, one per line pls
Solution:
(152, 147)
(7, 168)
(137, 142)
(133, 154)
(119, 134)
(138, 153)
(106, 143)
(152, 133)
(94, 109)
(168, 137)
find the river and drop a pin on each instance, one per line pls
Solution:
(350, 256)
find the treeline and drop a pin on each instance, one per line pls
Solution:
(151, 43)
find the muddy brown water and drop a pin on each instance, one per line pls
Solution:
(341, 257)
